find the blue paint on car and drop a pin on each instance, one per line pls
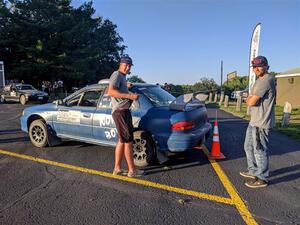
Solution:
(86, 116)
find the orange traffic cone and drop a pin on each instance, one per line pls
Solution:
(215, 148)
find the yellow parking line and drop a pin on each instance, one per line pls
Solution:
(195, 194)
(237, 200)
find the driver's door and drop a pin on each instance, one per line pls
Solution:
(74, 118)
(67, 118)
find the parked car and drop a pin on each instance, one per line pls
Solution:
(162, 122)
(22, 93)
(242, 93)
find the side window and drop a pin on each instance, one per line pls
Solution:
(73, 101)
(90, 98)
(106, 102)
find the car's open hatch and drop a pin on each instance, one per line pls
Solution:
(188, 102)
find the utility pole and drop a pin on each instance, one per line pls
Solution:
(221, 74)
(2, 77)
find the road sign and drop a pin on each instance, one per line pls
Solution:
(231, 75)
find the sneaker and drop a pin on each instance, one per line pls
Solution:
(120, 172)
(258, 183)
(247, 174)
(136, 173)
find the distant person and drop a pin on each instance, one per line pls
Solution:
(121, 102)
(43, 86)
(261, 102)
(55, 89)
(167, 87)
(60, 84)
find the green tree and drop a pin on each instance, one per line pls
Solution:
(135, 79)
(237, 83)
(205, 84)
(47, 40)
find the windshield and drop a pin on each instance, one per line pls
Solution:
(157, 95)
(25, 87)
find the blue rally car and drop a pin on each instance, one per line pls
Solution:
(162, 123)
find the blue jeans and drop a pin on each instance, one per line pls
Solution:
(256, 148)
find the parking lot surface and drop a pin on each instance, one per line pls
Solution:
(72, 183)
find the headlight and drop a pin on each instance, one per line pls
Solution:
(23, 113)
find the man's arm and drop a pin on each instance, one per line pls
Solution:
(114, 92)
(252, 100)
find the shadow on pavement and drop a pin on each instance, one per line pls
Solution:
(191, 158)
(11, 131)
(11, 140)
(285, 174)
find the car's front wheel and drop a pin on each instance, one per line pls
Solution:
(2, 99)
(38, 133)
(143, 149)
(23, 99)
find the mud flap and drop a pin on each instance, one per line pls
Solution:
(53, 140)
(161, 157)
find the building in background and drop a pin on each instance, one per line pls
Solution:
(288, 87)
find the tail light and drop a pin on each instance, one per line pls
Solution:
(183, 125)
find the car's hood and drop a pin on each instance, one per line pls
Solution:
(33, 92)
(188, 102)
(43, 107)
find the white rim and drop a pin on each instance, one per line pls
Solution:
(140, 150)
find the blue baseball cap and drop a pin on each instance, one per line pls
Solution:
(259, 61)
(126, 59)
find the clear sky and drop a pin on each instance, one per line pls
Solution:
(181, 41)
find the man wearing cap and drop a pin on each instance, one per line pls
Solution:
(121, 102)
(261, 103)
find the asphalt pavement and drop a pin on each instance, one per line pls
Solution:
(33, 191)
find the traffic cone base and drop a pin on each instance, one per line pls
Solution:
(220, 156)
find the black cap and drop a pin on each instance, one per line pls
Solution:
(126, 59)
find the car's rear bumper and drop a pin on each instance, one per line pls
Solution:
(36, 98)
(182, 141)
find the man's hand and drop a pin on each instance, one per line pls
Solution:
(133, 97)
(129, 85)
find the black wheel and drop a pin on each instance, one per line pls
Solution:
(143, 149)
(38, 133)
(2, 99)
(23, 99)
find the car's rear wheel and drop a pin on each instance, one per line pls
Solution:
(38, 133)
(2, 99)
(23, 99)
(143, 149)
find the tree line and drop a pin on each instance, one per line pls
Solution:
(50, 40)
(205, 85)
(42, 40)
